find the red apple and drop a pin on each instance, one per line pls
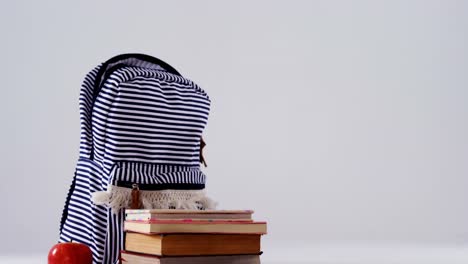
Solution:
(70, 253)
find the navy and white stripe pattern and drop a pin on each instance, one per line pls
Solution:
(150, 173)
(140, 122)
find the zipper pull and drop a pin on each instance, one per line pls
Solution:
(135, 197)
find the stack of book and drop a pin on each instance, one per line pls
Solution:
(192, 237)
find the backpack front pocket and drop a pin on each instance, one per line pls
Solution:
(154, 186)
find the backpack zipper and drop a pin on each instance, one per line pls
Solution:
(159, 186)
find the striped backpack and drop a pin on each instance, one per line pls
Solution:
(141, 128)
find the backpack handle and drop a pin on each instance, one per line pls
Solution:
(113, 64)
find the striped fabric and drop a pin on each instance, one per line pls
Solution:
(141, 122)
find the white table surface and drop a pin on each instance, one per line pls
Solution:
(332, 254)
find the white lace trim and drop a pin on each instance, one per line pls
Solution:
(118, 198)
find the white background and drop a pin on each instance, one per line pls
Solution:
(342, 123)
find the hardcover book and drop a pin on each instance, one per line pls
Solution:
(137, 258)
(192, 244)
(189, 226)
(174, 214)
